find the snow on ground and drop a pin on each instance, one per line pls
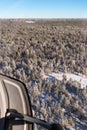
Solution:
(82, 79)
(80, 125)
(30, 21)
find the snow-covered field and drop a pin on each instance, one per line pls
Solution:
(82, 79)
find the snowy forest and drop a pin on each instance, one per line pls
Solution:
(50, 57)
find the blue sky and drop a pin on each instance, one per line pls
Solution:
(43, 8)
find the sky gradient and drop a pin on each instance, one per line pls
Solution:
(43, 8)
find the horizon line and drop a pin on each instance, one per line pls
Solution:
(44, 18)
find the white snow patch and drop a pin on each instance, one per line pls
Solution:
(30, 21)
(82, 79)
